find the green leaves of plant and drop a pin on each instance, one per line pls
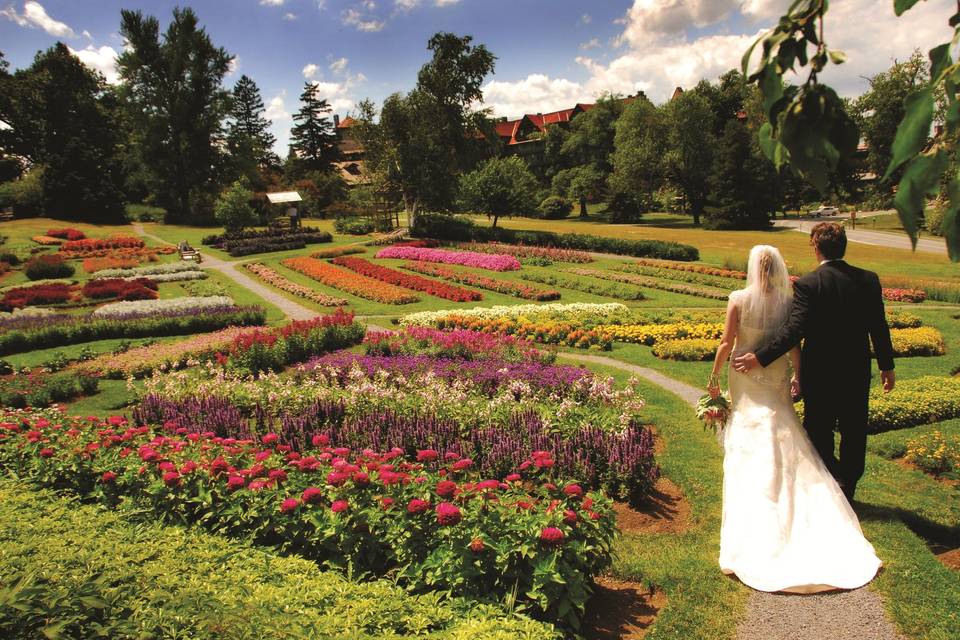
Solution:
(951, 219)
(913, 130)
(919, 180)
(901, 6)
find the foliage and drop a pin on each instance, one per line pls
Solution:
(20, 335)
(583, 184)
(653, 333)
(232, 209)
(353, 226)
(919, 341)
(935, 453)
(39, 389)
(120, 289)
(85, 547)
(25, 195)
(690, 148)
(177, 122)
(391, 276)
(53, 293)
(46, 266)
(313, 140)
(277, 280)
(492, 262)
(499, 187)
(655, 283)
(426, 538)
(320, 190)
(739, 195)
(507, 287)
(555, 208)
(248, 136)
(444, 227)
(349, 282)
(686, 349)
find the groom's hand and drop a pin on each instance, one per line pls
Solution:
(889, 379)
(745, 363)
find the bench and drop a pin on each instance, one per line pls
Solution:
(189, 253)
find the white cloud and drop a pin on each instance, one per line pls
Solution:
(339, 65)
(271, 3)
(592, 43)
(34, 15)
(310, 71)
(406, 5)
(537, 93)
(276, 109)
(289, 17)
(357, 20)
(321, 5)
(103, 59)
(86, 34)
(234, 66)
(446, 3)
(586, 19)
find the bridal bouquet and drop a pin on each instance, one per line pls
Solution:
(714, 412)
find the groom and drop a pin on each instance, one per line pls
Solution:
(838, 311)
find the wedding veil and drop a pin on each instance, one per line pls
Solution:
(766, 301)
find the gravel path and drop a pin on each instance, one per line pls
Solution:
(842, 615)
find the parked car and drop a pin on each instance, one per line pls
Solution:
(824, 210)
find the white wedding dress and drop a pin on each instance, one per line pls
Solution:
(786, 524)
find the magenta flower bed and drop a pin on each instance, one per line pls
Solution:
(430, 521)
(493, 262)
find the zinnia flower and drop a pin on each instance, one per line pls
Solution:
(320, 440)
(171, 479)
(446, 488)
(551, 536)
(339, 506)
(270, 439)
(336, 478)
(513, 477)
(461, 465)
(235, 483)
(46, 452)
(386, 503)
(476, 545)
(573, 490)
(108, 477)
(427, 455)
(417, 505)
(289, 505)
(277, 475)
(448, 514)
(570, 516)
(312, 495)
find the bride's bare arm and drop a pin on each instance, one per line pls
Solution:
(726, 346)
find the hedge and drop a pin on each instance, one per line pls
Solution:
(80, 570)
(460, 229)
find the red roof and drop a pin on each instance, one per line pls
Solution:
(346, 123)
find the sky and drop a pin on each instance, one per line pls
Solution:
(550, 54)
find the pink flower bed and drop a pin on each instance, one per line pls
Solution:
(491, 261)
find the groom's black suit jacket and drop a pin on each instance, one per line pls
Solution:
(838, 311)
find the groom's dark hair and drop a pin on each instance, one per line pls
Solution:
(830, 240)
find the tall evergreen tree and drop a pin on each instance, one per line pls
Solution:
(249, 140)
(738, 198)
(173, 88)
(313, 137)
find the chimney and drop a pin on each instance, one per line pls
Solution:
(336, 121)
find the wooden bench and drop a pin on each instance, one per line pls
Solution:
(189, 253)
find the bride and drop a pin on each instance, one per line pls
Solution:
(786, 523)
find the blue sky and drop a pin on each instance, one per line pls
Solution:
(550, 54)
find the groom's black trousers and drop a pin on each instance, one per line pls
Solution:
(843, 408)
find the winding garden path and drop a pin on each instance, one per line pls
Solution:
(847, 615)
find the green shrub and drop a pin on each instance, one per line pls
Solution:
(37, 389)
(691, 350)
(353, 226)
(233, 209)
(71, 569)
(555, 208)
(457, 228)
(933, 218)
(48, 266)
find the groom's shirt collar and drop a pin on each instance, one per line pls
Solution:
(823, 262)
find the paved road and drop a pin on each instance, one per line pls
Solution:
(893, 240)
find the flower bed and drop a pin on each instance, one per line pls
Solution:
(430, 523)
(920, 341)
(164, 268)
(306, 234)
(277, 280)
(492, 262)
(349, 282)
(47, 241)
(100, 244)
(19, 334)
(567, 334)
(48, 266)
(41, 389)
(692, 277)
(507, 287)
(687, 350)
(73, 554)
(119, 289)
(904, 295)
(608, 290)
(691, 268)
(93, 265)
(579, 312)
(142, 254)
(336, 252)
(935, 453)
(177, 305)
(67, 233)
(394, 277)
(942, 290)
(650, 334)
(18, 297)
(457, 344)
(654, 283)
(524, 251)
(898, 319)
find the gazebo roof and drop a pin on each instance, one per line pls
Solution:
(284, 196)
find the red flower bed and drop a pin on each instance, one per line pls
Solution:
(67, 233)
(57, 293)
(434, 524)
(99, 244)
(904, 295)
(392, 276)
(517, 289)
(354, 283)
(120, 289)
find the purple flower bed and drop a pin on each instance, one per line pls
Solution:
(457, 343)
(488, 374)
(620, 463)
(493, 262)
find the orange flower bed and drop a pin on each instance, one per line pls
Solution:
(92, 265)
(350, 282)
(143, 254)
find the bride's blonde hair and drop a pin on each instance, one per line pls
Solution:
(767, 296)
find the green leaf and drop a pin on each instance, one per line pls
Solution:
(939, 60)
(951, 219)
(901, 6)
(771, 85)
(920, 179)
(837, 57)
(767, 142)
(913, 129)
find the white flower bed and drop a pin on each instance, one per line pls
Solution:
(608, 312)
(160, 306)
(149, 270)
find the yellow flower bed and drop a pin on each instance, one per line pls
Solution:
(47, 241)
(545, 331)
(688, 350)
(650, 334)
(918, 341)
(935, 453)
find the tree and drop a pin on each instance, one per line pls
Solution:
(689, 148)
(584, 183)
(313, 138)
(172, 87)
(249, 140)
(499, 187)
(62, 116)
(738, 197)
(638, 166)
(233, 209)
